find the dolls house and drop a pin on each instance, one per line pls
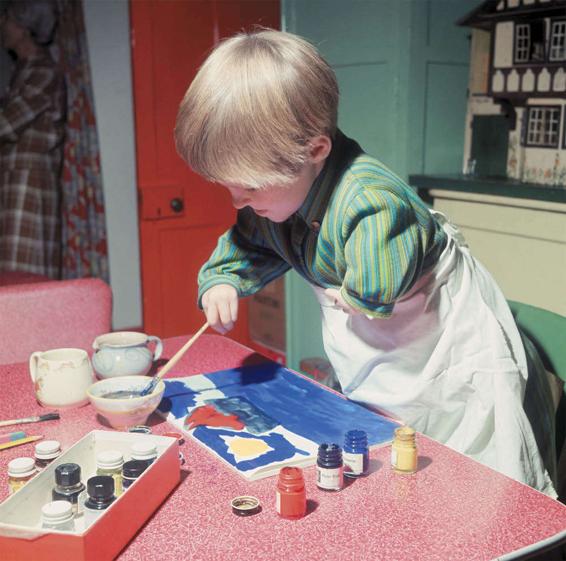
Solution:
(516, 114)
(510, 200)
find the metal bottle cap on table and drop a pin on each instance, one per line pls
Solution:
(245, 505)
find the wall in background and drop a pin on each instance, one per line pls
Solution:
(402, 68)
(108, 32)
(438, 82)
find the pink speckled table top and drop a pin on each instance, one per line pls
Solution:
(451, 509)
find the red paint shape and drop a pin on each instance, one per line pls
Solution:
(209, 416)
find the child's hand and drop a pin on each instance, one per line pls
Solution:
(339, 302)
(220, 305)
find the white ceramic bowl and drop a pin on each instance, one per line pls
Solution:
(128, 412)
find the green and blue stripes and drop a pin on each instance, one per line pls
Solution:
(361, 229)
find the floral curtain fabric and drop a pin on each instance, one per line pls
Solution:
(83, 224)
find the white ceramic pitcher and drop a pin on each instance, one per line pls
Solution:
(61, 377)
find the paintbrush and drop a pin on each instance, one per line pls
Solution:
(173, 361)
(20, 441)
(45, 417)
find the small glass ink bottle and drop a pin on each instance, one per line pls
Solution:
(144, 451)
(45, 452)
(58, 515)
(100, 490)
(356, 454)
(110, 463)
(69, 486)
(329, 467)
(404, 451)
(291, 496)
(20, 471)
(131, 471)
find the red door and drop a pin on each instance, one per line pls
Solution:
(180, 214)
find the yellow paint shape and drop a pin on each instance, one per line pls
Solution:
(246, 448)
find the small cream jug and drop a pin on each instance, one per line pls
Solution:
(124, 353)
(61, 377)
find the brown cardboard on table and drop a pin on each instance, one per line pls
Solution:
(267, 316)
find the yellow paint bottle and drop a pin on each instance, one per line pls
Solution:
(404, 451)
(20, 471)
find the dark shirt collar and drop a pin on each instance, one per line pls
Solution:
(343, 152)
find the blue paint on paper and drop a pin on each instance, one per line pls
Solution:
(299, 405)
(177, 397)
(282, 448)
(254, 419)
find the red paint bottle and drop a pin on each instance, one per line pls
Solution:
(291, 493)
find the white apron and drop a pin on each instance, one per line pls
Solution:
(448, 362)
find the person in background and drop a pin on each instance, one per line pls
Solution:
(413, 325)
(32, 120)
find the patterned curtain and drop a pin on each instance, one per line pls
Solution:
(83, 225)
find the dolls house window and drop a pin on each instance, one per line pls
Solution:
(543, 126)
(529, 42)
(522, 42)
(558, 40)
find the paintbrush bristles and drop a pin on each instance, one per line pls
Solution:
(173, 360)
(49, 417)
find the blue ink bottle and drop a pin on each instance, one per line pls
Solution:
(131, 471)
(329, 467)
(100, 490)
(356, 453)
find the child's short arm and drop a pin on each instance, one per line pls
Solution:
(241, 259)
(383, 251)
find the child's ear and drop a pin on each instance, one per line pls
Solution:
(320, 147)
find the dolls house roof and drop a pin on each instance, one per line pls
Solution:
(489, 12)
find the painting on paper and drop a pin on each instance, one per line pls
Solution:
(258, 419)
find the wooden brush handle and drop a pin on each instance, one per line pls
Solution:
(177, 356)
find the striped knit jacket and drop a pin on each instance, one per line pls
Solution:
(360, 228)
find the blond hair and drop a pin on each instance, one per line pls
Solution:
(254, 105)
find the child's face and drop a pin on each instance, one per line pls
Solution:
(277, 203)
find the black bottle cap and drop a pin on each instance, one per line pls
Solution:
(134, 468)
(67, 475)
(329, 456)
(100, 487)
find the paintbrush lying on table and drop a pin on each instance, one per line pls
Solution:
(37, 418)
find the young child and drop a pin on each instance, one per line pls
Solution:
(412, 324)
